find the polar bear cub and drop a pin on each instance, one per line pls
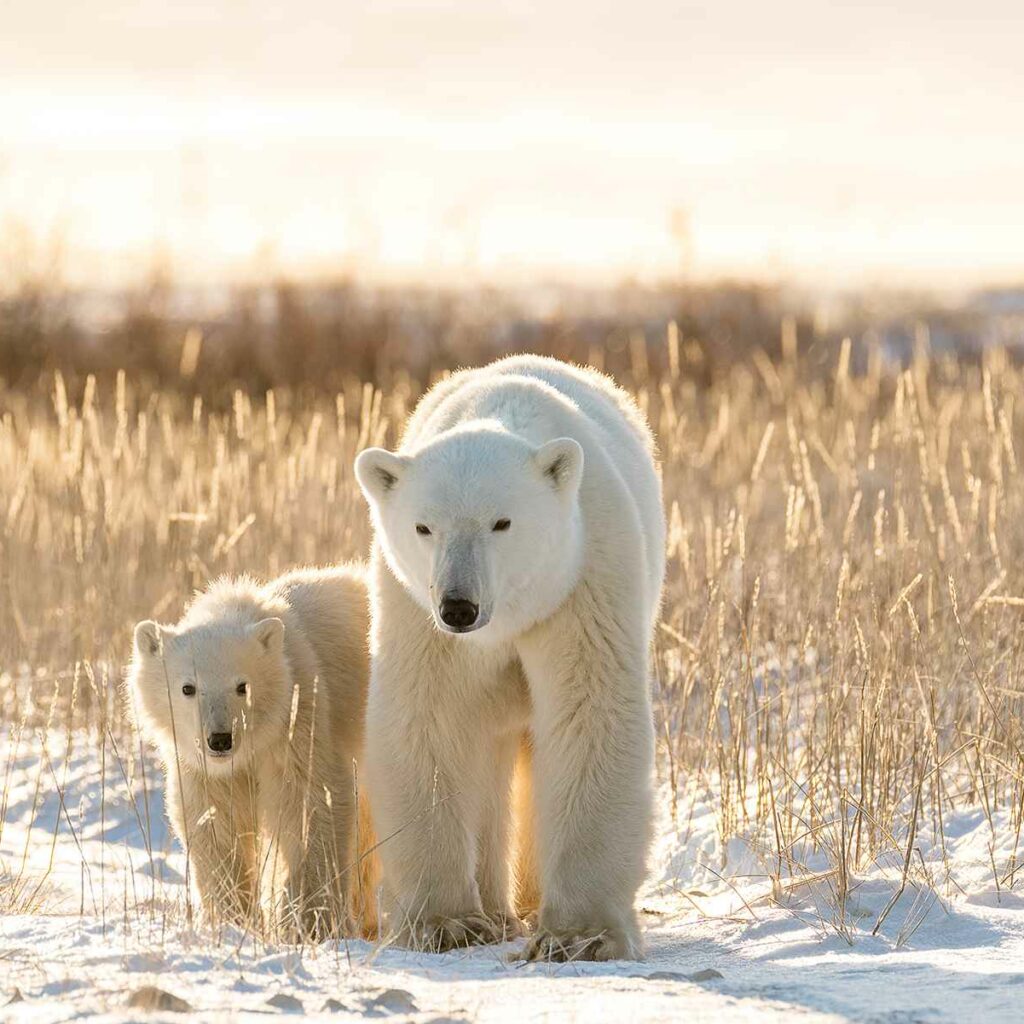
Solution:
(516, 583)
(256, 700)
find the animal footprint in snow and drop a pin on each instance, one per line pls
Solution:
(392, 1000)
(283, 1001)
(149, 997)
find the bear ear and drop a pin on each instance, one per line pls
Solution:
(561, 463)
(378, 472)
(148, 639)
(269, 633)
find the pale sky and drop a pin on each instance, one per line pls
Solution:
(467, 140)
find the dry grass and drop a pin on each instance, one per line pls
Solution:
(840, 659)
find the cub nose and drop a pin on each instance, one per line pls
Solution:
(219, 742)
(457, 612)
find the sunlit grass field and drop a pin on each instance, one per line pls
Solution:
(839, 665)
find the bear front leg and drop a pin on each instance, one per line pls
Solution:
(220, 842)
(593, 754)
(312, 855)
(494, 871)
(427, 777)
(315, 893)
(424, 784)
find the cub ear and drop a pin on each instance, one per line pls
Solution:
(378, 472)
(269, 633)
(561, 463)
(148, 639)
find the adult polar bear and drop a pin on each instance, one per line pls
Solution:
(523, 534)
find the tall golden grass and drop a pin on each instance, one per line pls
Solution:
(840, 660)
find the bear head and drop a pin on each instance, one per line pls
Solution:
(481, 527)
(216, 692)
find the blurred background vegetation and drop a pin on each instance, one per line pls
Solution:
(313, 337)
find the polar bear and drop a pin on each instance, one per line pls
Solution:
(256, 701)
(515, 586)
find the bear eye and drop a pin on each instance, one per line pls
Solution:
(501, 525)
(189, 689)
(423, 531)
(242, 688)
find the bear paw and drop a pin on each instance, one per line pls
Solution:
(506, 926)
(552, 946)
(440, 934)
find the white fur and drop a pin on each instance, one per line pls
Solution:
(556, 666)
(280, 807)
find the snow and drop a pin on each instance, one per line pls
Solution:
(91, 885)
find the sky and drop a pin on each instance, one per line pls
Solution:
(467, 140)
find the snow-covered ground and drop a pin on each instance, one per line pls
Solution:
(91, 885)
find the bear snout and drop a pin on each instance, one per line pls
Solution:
(219, 742)
(458, 613)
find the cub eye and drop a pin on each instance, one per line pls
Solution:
(423, 531)
(189, 689)
(241, 689)
(501, 525)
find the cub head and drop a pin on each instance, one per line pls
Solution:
(214, 691)
(482, 528)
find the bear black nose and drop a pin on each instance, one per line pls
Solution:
(457, 612)
(219, 742)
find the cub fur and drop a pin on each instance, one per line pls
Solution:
(256, 701)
